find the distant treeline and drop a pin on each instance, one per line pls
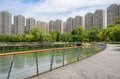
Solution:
(79, 34)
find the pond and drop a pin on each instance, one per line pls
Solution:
(25, 64)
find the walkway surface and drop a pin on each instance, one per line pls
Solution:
(104, 65)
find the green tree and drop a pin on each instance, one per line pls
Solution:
(47, 38)
(116, 33)
(78, 34)
(103, 35)
(29, 37)
(110, 34)
(117, 20)
(65, 37)
(55, 35)
(37, 33)
(92, 34)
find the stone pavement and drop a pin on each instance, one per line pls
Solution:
(104, 65)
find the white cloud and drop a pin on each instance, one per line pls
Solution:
(53, 9)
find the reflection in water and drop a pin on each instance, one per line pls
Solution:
(25, 63)
(5, 64)
(19, 61)
(58, 59)
(30, 59)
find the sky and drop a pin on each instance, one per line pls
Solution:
(45, 10)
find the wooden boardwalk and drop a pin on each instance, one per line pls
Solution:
(104, 65)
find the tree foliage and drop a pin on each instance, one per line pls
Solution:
(79, 34)
(92, 34)
(117, 20)
(55, 35)
(110, 34)
(66, 37)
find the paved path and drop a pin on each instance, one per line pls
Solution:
(104, 65)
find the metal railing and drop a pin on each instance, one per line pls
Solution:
(19, 65)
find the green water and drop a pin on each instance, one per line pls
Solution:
(25, 64)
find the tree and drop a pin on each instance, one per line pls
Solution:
(103, 35)
(55, 35)
(110, 34)
(92, 34)
(47, 38)
(37, 33)
(29, 37)
(117, 20)
(65, 37)
(78, 34)
(116, 33)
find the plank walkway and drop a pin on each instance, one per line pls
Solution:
(104, 65)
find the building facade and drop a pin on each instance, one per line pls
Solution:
(1, 23)
(112, 13)
(30, 23)
(12, 29)
(88, 21)
(99, 19)
(78, 21)
(19, 24)
(72, 23)
(51, 25)
(119, 10)
(69, 24)
(59, 24)
(42, 25)
(56, 25)
(5, 22)
(64, 27)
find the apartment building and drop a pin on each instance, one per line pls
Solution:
(99, 19)
(88, 21)
(5, 22)
(19, 24)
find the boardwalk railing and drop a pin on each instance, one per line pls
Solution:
(19, 65)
